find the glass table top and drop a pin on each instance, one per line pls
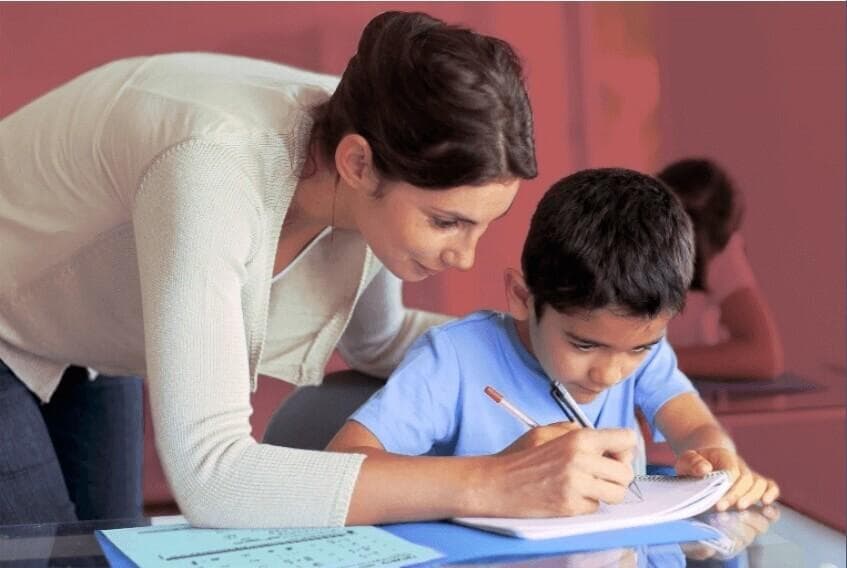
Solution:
(774, 537)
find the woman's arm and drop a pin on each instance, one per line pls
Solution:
(753, 349)
(196, 229)
(382, 328)
(568, 475)
(394, 488)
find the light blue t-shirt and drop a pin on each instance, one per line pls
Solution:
(434, 402)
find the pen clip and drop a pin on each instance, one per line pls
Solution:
(565, 404)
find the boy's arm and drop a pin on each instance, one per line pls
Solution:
(701, 446)
(688, 424)
(354, 438)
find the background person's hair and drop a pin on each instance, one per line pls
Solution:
(715, 208)
(609, 238)
(441, 106)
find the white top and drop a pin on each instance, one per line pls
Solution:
(140, 210)
(699, 323)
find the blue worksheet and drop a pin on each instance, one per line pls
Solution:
(184, 546)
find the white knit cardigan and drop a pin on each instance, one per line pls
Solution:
(140, 210)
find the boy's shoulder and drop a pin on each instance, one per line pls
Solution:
(484, 339)
(480, 330)
(472, 324)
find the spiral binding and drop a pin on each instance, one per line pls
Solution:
(712, 474)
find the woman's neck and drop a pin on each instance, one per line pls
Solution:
(320, 198)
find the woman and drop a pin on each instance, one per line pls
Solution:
(726, 329)
(200, 218)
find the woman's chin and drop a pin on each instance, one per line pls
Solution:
(414, 271)
(407, 271)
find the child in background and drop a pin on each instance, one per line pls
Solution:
(606, 265)
(726, 329)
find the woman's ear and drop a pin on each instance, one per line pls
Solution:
(354, 163)
(518, 298)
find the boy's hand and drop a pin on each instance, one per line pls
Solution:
(748, 487)
(742, 527)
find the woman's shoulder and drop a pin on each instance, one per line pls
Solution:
(258, 109)
(255, 93)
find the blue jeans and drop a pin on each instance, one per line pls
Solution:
(78, 457)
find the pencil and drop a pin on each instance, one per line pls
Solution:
(510, 408)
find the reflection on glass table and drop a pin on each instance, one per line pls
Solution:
(769, 537)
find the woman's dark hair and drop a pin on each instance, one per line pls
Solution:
(441, 106)
(609, 238)
(715, 208)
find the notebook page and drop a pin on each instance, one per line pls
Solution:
(665, 499)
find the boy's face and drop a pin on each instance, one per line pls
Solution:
(587, 352)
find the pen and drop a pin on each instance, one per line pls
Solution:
(510, 408)
(578, 416)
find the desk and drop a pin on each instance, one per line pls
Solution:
(792, 541)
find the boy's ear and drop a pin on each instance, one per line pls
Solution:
(518, 298)
(354, 163)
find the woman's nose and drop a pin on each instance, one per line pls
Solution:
(460, 256)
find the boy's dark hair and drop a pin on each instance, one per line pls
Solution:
(441, 106)
(609, 238)
(715, 208)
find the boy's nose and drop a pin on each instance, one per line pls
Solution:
(606, 376)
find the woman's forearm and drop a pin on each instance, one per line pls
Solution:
(393, 488)
(568, 475)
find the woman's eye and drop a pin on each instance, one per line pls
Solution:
(443, 223)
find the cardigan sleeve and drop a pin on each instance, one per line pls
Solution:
(382, 328)
(196, 229)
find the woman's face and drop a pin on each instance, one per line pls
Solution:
(419, 232)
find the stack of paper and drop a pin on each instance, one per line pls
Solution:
(184, 546)
(664, 499)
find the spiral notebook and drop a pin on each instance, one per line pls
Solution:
(665, 498)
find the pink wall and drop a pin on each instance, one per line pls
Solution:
(760, 87)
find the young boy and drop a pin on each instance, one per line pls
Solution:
(607, 263)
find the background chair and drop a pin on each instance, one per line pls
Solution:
(310, 417)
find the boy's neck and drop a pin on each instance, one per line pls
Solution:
(522, 329)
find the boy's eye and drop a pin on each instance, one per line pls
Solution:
(642, 349)
(584, 346)
(440, 223)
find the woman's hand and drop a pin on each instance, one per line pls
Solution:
(748, 487)
(559, 470)
(540, 435)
